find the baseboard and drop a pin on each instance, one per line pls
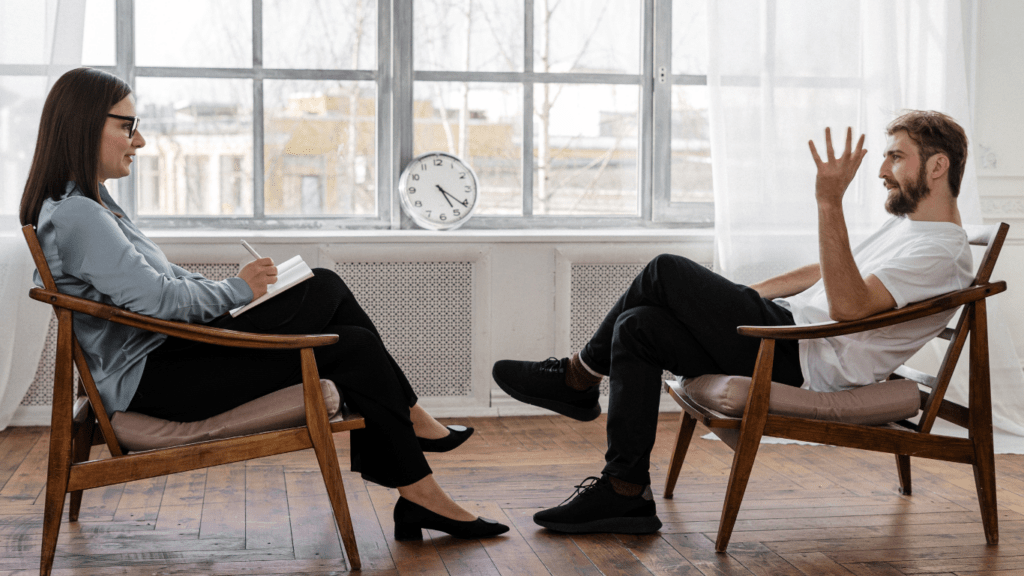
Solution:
(31, 416)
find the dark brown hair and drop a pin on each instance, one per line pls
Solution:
(936, 133)
(70, 129)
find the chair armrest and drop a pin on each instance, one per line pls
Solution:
(195, 332)
(880, 320)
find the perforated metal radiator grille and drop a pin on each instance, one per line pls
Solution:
(424, 312)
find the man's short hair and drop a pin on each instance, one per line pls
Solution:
(935, 133)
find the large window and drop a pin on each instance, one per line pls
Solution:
(302, 113)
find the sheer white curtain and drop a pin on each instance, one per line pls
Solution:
(45, 36)
(779, 72)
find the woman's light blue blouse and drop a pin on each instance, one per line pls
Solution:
(94, 254)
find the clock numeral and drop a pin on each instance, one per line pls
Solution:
(423, 166)
(428, 212)
(412, 190)
(469, 188)
(438, 162)
(418, 203)
(444, 216)
(462, 175)
(456, 212)
(415, 176)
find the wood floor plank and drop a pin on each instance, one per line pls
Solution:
(17, 443)
(27, 480)
(816, 564)
(761, 560)
(657, 555)
(699, 550)
(266, 509)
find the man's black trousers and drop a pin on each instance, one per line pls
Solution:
(678, 316)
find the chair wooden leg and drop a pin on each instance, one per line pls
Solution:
(81, 447)
(687, 424)
(326, 456)
(61, 429)
(980, 423)
(755, 416)
(903, 469)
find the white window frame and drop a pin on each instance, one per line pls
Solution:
(395, 79)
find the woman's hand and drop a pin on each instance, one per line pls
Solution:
(258, 274)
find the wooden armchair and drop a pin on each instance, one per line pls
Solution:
(903, 438)
(80, 420)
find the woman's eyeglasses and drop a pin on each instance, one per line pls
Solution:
(133, 119)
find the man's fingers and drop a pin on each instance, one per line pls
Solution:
(830, 152)
(849, 141)
(814, 153)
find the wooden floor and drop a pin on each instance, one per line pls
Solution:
(808, 510)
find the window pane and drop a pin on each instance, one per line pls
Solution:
(691, 145)
(322, 34)
(99, 36)
(190, 125)
(468, 35)
(689, 37)
(21, 104)
(482, 124)
(587, 36)
(194, 33)
(585, 137)
(319, 152)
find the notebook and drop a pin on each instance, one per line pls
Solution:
(289, 273)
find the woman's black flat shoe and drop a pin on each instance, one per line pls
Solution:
(411, 519)
(457, 434)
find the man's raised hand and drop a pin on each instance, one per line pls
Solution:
(835, 174)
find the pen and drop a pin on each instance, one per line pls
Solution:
(251, 251)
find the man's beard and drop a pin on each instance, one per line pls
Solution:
(903, 200)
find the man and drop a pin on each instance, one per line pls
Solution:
(677, 315)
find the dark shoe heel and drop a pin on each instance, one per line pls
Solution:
(406, 532)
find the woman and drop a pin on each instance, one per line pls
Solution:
(87, 135)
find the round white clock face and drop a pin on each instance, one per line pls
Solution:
(438, 191)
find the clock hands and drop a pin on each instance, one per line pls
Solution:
(447, 196)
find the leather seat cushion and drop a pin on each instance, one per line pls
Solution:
(284, 408)
(871, 405)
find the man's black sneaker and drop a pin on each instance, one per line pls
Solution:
(543, 384)
(597, 507)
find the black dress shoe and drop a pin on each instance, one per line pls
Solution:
(411, 519)
(457, 434)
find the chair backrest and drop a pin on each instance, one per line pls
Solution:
(935, 405)
(86, 384)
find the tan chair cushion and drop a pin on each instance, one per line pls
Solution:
(284, 408)
(870, 405)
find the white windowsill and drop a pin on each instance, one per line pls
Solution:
(616, 235)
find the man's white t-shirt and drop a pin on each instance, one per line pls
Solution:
(914, 261)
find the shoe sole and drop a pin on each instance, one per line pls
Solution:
(574, 412)
(626, 525)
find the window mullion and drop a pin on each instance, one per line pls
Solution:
(125, 69)
(527, 149)
(402, 41)
(645, 165)
(257, 110)
(661, 148)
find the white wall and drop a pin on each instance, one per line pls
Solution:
(998, 146)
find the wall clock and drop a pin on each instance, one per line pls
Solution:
(438, 191)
